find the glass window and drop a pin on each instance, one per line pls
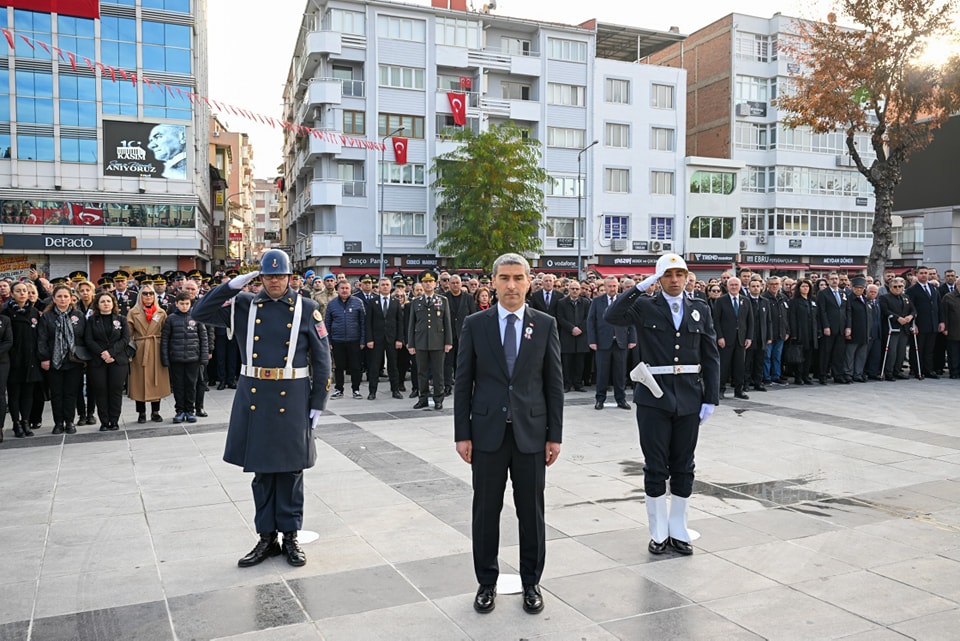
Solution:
(5, 150)
(572, 50)
(407, 174)
(661, 182)
(616, 227)
(4, 96)
(78, 100)
(76, 36)
(34, 26)
(716, 227)
(158, 103)
(514, 91)
(661, 96)
(560, 94)
(560, 227)
(616, 135)
(412, 125)
(118, 41)
(120, 98)
(352, 22)
(397, 28)
(166, 47)
(401, 77)
(405, 223)
(661, 228)
(354, 122)
(616, 181)
(35, 147)
(564, 186)
(34, 92)
(456, 32)
(662, 139)
(712, 182)
(617, 90)
(75, 150)
(565, 137)
(179, 6)
(515, 46)
(753, 221)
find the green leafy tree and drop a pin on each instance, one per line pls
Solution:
(867, 79)
(490, 196)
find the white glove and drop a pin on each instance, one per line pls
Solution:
(315, 418)
(706, 411)
(241, 280)
(648, 282)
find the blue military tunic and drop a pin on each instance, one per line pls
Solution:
(270, 420)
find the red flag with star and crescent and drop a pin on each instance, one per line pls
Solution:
(458, 105)
(400, 150)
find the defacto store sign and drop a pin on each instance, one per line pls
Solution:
(68, 242)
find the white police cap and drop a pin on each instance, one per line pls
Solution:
(670, 261)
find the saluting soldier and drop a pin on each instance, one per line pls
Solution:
(430, 335)
(679, 346)
(277, 405)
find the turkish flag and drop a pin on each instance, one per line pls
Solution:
(466, 82)
(77, 8)
(400, 150)
(85, 214)
(458, 105)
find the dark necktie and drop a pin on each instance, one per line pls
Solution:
(736, 306)
(836, 294)
(510, 343)
(547, 298)
(384, 304)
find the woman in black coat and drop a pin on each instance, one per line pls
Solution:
(6, 344)
(804, 330)
(61, 330)
(24, 362)
(107, 336)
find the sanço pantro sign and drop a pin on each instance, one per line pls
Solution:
(144, 150)
(55, 242)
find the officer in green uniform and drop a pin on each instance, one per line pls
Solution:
(430, 337)
(277, 404)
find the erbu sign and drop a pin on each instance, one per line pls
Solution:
(67, 241)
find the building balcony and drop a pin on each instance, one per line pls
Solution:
(324, 193)
(324, 91)
(325, 244)
(528, 110)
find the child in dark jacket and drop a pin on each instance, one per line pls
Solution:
(184, 348)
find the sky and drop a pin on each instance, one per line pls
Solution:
(250, 51)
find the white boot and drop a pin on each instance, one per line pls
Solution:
(678, 519)
(657, 517)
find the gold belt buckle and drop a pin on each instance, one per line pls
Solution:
(678, 369)
(271, 373)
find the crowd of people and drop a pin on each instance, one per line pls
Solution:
(81, 345)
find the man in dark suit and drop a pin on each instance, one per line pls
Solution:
(610, 345)
(508, 416)
(926, 299)
(733, 319)
(832, 309)
(857, 331)
(678, 344)
(547, 299)
(762, 333)
(871, 368)
(690, 288)
(461, 305)
(384, 337)
(572, 321)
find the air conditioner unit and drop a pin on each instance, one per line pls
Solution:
(618, 244)
(656, 247)
(743, 110)
(743, 245)
(667, 247)
(761, 240)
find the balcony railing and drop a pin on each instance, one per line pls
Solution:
(355, 188)
(353, 88)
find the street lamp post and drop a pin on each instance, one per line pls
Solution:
(383, 167)
(579, 229)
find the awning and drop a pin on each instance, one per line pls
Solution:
(791, 267)
(624, 270)
(841, 268)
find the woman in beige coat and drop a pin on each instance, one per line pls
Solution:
(149, 379)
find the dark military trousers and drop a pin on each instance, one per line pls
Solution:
(278, 497)
(430, 361)
(668, 442)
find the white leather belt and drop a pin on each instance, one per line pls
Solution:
(675, 369)
(274, 373)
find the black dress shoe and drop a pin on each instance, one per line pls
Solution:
(741, 395)
(578, 388)
(141, 417)
(414, 393)
(397, 394)
(221, 386)
(232, 385)
(69, 428)
(680, 547)
(624, 405)
(27, 431)
(104, 427)
(760, 388)
(567, 389)
(933, 375)
(372, 396)
(155, 417)
(201, 413)
(900, 377)
(113, 427)
(292, 550)
(447, 391)
(823, 381)
(657, 548)
(438, 404)
(532, 599)
(486, 599)
(598, 405)
(421, 404)
(403, 388)
(266, 548)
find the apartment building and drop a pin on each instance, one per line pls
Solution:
(99, 170)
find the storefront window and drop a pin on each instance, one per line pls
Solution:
(41, 212)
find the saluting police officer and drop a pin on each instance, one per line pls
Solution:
(679, 346)
(277, 405)
(430, 337)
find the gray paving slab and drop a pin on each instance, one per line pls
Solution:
(813, 525)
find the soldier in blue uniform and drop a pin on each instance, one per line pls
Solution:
(678, 345)
(277, 404)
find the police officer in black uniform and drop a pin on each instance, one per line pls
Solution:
(285, 378)
(430, 336)
(679, 345)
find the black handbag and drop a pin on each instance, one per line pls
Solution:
(80, 354)
(793, 354)
(131, 348)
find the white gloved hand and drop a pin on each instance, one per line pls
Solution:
(706, 411)
(315, 418)
(241, 280)
(648, 282)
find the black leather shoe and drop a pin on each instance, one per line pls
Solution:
(221, 386)
(232, 385)
(438, 404)
(741, 395)
(403, 388)
(421, 404)
(266, 548)
(933, 375)
(447, 391)
(69, 429)
(57, 429)
(680, 547)
(900, 377)
(532, 599)
(156, 418)
(372, 396)
(598, 405)
(657, 548)
(624, 405)
(113, 427)
(486, 599)
(201, 413)
(104, 427)
(26, 427)
(578, 388)
(292, 550)
(397, 395)
(760, 388)
(141, 418)
(415, 393)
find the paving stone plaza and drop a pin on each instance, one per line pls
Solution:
(824, 513)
